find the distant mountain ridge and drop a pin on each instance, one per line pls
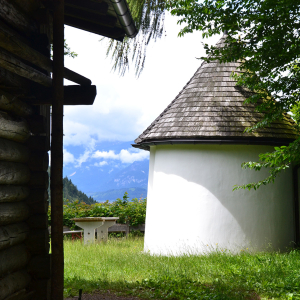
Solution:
(107, 178)
(112, 195)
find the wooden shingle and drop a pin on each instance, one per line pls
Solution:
(211, 107)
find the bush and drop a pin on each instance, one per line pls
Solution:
(132, 212)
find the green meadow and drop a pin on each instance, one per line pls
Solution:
(121, 265)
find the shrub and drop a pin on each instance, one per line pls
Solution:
(131, 212)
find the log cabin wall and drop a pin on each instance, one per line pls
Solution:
(25, 32)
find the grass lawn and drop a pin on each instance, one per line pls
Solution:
(120, 265)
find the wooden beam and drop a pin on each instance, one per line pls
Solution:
(13, 193)
(57, 262)
(14, 173)
(12, 151)
(73, 95)
(14, 43)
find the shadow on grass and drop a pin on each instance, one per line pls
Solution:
(162, 288)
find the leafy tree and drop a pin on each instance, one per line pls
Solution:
(264, 36)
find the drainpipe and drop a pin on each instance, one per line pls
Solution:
(124, 16)
(296, 205)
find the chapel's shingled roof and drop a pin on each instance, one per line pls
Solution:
(210, 108)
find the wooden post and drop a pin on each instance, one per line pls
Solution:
(57, 278)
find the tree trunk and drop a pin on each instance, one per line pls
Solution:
(14, 173)
(13, 212)
(13, 193)
(13, 234)
(13, 283)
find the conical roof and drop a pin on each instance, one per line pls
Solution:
(210, 109)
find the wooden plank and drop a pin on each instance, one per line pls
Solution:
(94, 17)
(38, 161)
(13, 234)
(39, 266)
(21, 295)
(115, 32)
(99, 7)
(13, 212)
(14, 65)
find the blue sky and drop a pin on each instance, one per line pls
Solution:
(125, 106)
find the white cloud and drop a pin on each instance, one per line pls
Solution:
(68, 157)
(125, 106)
(72, 174)
(125, 156)
(87, 153)
(101, 163)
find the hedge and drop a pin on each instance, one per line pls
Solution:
(131, 212)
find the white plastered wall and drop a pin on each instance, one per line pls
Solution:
(191, 207)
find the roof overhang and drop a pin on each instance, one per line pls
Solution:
(145, 145)
(109, 18)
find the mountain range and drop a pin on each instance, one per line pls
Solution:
(107, 178)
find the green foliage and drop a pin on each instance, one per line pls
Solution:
(132, 212)
(148, 16)
(120, 265)
(264, 37)
(71, 193)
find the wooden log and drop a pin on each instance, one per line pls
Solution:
(12, 15)
(13, 83)
(13, 282)
(14, 173)
(12, 151)
(21, 295)
(14, 65)
(39, 179)
(41, 289)
(13, 193)
(38, 221)
(38, 242)
(38, 207)
(13, 234)
(14, 43)
(38, 161)
(13, 259)
(13, 212)
(39, 266)
(38, 143)
(13, 128)
(37, 195)
(37, 124)
(11, 103)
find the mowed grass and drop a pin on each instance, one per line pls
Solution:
(122, 266)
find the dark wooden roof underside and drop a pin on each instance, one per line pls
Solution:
(211, 108)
